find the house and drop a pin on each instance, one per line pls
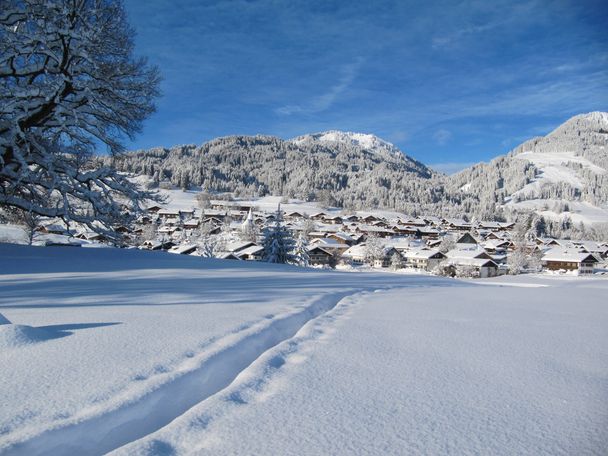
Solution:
(167, 214)
(318, 216)
(387, 257)
(333, 219)
(228, 256)
(342, 238)
(187, 249)
(355, 255)
(252, 253)
(467, 238)
(569, 260)
(186, 214)
(153, 209)
(496, 246)
(331, 245)
(458, 224)
(474, 253)
(236, 247)
(318, 256)
(480, 267)
(53, 229)
(427, 259)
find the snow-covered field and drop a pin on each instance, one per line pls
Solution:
(149, 353)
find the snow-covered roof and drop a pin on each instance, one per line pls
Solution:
(566, 255)
(467, 253)
(422, 253)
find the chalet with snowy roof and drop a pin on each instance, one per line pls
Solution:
(492, 226)
(481, 267)
(496, 246)
(228, 256)
(191, 224)
(350, 218)
(426, 259)
(568, 260)
(355, 255)
(53, 228)
(186, 214)
(318, 256)
(374, 230)
(293, 215)
(251, 253)
(153, 209)
(476, 253)
(369, 219)
(187, 249)
(342, 238)
(333, 219)
(467, 239)
(168, 214)
(333, 246)
(238, 246)
(458, 224)
(387, 256)
(319, 216)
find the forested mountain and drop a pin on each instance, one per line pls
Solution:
(359, 171)
(549, 173)
(337, 172)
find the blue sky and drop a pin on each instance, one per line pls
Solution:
(451, 83)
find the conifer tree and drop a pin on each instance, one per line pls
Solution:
(278, 242)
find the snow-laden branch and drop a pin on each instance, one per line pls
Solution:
(68, 83)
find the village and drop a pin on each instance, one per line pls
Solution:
(355, 240)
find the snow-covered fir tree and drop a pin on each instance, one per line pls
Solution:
(301, 251)
(278, 241)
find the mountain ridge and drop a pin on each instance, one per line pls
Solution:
(361, 170)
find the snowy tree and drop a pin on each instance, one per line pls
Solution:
(308, 226)
(210, 246)
(149, 232)
(69, 82)
(374, 249)
(396, 261)
(447, 243)
(301, 251)
(29, 221)
(278, 242)
(204, 200)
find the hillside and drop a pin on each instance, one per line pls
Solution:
(360, 172)
(560, 176)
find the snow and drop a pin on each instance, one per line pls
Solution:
(579, 211)
(149, 353)
(366, 141)
(432, 371)
(552, 166)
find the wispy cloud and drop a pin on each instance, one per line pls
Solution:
(442, 136)
(325, 101)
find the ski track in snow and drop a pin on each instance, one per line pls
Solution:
(256, 383)
(205, 375)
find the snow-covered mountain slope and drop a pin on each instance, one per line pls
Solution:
(561, 174)
(359, 171)
(365, 141)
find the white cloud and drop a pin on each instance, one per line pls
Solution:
(324, 101)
